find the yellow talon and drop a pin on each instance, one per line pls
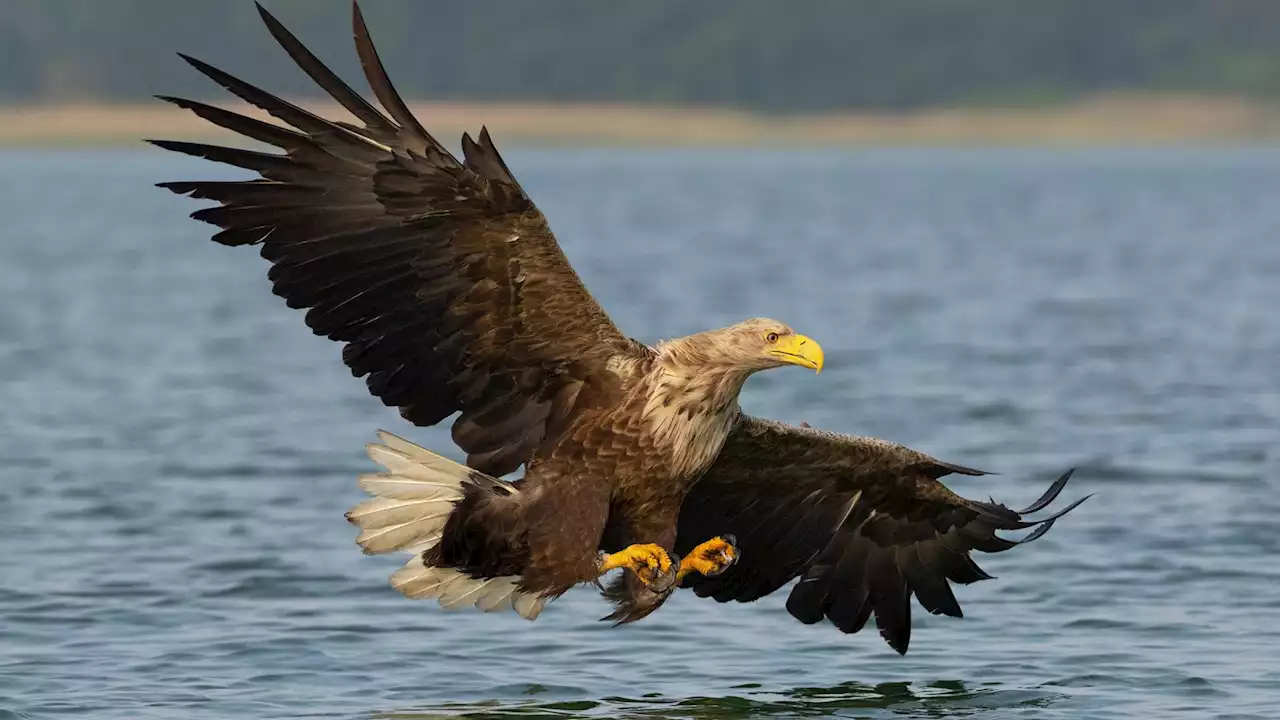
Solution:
(650, 563)
(710, 558)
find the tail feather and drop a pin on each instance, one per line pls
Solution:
(411, 502)
(417, 581)
(498, 596)
(434, 470)
(463, 594)
(388, 485)
(528, 606)
(408, 449)
(387, 511)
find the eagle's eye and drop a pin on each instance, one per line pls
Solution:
(771, 337)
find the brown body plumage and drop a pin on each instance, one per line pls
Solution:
(616, 473)
(452, 298)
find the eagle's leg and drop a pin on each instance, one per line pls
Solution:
(651, 563)
(710, 558)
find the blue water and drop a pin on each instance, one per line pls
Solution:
(178, 449)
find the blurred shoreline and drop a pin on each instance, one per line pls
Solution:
(1113, 119)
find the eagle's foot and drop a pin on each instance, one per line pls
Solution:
(711, 557)
(650, 563)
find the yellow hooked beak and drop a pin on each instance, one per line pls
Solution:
(798, 350)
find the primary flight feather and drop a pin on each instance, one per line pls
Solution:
(452, 298)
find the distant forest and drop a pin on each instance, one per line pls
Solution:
(770, 55)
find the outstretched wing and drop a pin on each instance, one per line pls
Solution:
(442, 277)
(863, 523)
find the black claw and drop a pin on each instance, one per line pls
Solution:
(666, 582)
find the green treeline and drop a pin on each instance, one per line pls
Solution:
(773, 55)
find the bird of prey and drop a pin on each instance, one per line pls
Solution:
(452, 298)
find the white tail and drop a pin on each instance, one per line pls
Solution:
(410, 504)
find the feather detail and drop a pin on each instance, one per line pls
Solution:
(411, 503)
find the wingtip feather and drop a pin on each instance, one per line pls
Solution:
(1050, 494)
(197, 63)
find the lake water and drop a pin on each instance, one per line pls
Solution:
(178, 449)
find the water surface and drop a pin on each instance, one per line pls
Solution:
(178, 449)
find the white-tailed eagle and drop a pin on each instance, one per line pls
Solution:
(452, 298)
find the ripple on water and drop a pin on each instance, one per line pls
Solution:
(935, 699)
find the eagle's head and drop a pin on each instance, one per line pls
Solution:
(760, 344)
(694, 397)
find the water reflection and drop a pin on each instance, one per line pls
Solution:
(942, 698)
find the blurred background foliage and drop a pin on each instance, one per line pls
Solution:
(765, 55)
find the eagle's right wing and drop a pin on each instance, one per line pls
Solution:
(442, 278)
(863, 523)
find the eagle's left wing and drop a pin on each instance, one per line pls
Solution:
(862, 522)
(441, 277)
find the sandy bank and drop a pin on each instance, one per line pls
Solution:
(1112, 119)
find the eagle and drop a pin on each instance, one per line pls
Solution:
(453, 299)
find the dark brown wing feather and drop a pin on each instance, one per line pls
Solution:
(863, 523)
(442, 277)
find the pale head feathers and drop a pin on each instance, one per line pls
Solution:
(693, 393)
(743, 347)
